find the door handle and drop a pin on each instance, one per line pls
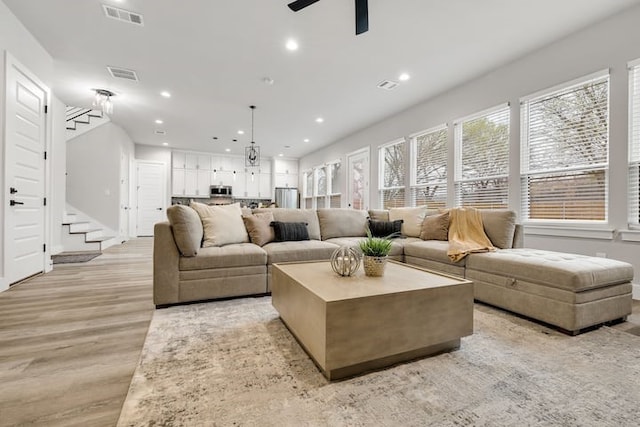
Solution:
(158, 209)
(13, 203)
(12, 190)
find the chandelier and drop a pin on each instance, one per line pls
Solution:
(103, 100)
(252, 152)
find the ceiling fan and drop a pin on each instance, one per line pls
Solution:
(362, 12)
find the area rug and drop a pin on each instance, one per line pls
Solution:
(72, 257)
(233, 363)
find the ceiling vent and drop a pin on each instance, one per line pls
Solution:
(123, 73)
(122, 15)
(160, 132)
(388, 84)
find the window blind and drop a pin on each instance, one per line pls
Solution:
(321, 179)
(392, 176)
(334, 174)
(482, 154)
(564, 153)
(429, 185)
(634, 144)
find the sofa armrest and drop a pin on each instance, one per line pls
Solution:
(166, 258)
(518, 237)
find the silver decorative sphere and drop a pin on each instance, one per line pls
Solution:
(345, 260)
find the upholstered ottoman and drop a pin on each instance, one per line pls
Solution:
(570, 291)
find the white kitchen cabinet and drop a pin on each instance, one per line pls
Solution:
(285, 173)
(191, 161)
(177, 182)
(265, 190)
(204, 182)
(178, 160)
(190, 182)
(204, 162)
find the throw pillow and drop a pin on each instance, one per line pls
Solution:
(187, 229)
(336, 222)
(413, 217)
(499, 226)
(222, 225)
(290, 231)
(384, 228)
(259, 228)
(435, 227)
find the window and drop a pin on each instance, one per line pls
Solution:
(564, 153)
(392, 168)
(634, 144)
(335, 198)
(308, 190)
(482, 159)
(321, 187)
(429, 168)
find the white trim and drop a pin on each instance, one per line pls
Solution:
(634, 63)
(630, 235)
(566, 85)
(563, 231)
(430, 130)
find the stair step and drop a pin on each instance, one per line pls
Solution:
(82, 121)
(91, 230)
(100, 239)
(76, 223)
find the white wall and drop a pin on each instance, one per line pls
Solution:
(16, 40)
(93, 173)
(608, 44)
(58, 166)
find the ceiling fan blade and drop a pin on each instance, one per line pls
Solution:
(362, 16)
(300, 4)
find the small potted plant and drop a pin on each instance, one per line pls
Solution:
(375, 251)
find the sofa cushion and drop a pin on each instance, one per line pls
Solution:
(412, 217)
(385, 228)
(187, 229)
(434, 250)
(222, 225)
(259, 227)
(379, 214)
(342, 223)
(499, 226)
(435, 227)
(236, 255)
(572, 272)
(308, 250)
(290, 231)
(296, 215)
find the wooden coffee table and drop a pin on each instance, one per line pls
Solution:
(349, 325)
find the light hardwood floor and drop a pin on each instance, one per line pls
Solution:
(70, 339)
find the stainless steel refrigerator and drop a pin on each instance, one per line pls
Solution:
(286, 197)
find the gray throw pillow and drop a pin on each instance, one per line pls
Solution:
(187, 229)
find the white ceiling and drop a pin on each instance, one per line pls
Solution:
(212, 55)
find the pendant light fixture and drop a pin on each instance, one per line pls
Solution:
(103, 100)
(252, 152)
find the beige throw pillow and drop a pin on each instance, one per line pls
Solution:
(412, 219)
(222, 225)
(435, 227)
(259, 228)
(187, 229)
(499, 226)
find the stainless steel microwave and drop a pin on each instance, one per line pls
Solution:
(220, 190)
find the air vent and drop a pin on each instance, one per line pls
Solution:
(123, 73)
(160, 132)
(388, 84)
(122, 15)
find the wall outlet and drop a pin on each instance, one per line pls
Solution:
(601, 254)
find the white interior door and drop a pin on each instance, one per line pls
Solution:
(124, 195)
(358, 179)
(24, 252)
(150, 196)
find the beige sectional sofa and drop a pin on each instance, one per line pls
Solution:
(569, 291)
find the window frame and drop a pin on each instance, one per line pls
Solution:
(413, 162)
(381, 171)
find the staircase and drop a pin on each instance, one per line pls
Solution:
(81, 120)
(82, 235)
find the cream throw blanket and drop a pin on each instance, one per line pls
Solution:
(466, 234)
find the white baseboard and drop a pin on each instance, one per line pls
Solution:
(636, 291)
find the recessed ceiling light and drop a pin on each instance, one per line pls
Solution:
(319, 120)
(268, 81)
(165, 94)
(227, 149)
(306, 140)
(240, 132)
(165, 143)
(280, 154)
(404, 77)
(159, 122)
(292, 45)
